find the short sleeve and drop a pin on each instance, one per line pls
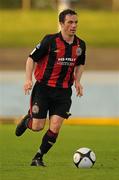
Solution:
(82, 54)
(40, 50)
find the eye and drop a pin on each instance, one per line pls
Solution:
(70, 22)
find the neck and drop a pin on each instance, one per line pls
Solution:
(69, 39)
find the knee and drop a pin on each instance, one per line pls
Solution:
(55, 128)
(56, 123)
(38, 125)
(37, 129)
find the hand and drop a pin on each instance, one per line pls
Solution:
(28, 86)
(79, 89)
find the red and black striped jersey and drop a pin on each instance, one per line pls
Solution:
(56, 59)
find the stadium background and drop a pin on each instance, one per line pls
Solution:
(100, 103)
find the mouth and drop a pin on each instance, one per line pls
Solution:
(73, 30)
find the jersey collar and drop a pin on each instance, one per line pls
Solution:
(74, 42)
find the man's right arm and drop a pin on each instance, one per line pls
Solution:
(35, 56)
(29, 71)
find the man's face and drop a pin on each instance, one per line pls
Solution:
(70, 24)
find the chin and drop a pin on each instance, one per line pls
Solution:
(72, 34)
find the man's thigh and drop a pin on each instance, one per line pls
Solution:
(39, 102)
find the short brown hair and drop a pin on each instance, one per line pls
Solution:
(63, 14)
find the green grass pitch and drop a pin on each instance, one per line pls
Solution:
(16, 154)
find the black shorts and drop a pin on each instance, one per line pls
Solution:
(46, 99)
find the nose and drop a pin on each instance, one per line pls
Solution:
(74, 25)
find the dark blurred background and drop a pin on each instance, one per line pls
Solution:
(37, 4)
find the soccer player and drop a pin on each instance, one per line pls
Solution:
(59, 60)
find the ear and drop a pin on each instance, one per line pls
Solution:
(61, 24)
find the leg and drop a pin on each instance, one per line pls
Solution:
(38, 124)
(35, 119)
(22, 126)
(27, 122)
(51, 135)
(49, 138)
(55, 123)
(58, 111)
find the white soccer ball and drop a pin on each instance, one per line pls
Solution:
(84, 158)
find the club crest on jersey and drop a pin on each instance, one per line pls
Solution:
(79, 51)
(35, 109)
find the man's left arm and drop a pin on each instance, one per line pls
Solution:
(79, 68)
(78, 71)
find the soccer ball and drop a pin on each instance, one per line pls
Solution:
(84, 158)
